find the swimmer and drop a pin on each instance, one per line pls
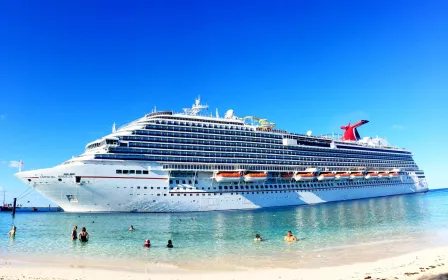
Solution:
(258, 237)
(12, 232)
(131, 228)
(147, 243)
(290, 237)
(170, 244)
(74, 233)
(83, 235)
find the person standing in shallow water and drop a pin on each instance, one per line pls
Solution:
(83, 235)
(131, 228)
(74, 233)
(12, 232)
(170, 244)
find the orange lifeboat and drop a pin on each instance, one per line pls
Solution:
(371, 175)
(227, 177)
(356, 176)
(393, 175)
(305, 177)
(286, 175)
(326, 177)
(342, 176)
(383, 175)
(255, 177)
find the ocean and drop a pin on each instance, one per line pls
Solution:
(329, 234)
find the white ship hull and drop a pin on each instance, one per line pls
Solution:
(101, 189)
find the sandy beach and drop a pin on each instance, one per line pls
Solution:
(426, 264)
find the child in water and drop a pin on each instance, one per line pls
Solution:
(258, 237)
(147, 243)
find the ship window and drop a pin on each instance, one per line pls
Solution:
(125, 171)
(189, 182)
(183, 181)
(138, 188)
(145, 188)
(138, 172)
(131, 171)
(145, 171)
(177, 181)
(118, 171)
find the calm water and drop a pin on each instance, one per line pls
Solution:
(220, 239)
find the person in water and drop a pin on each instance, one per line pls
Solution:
(170, 244)
(258, 237)
(83, 235)
(12, 232)
(74, 233)
(290, 237)
(131, 228)
(147, 243)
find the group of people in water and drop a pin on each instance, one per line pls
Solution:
(147, 243)
(83, 236)
(288, 238)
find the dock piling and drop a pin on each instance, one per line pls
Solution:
(14, 207)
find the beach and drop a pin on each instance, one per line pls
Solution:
(425, 264)
(402, 237)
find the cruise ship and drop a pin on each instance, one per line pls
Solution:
(198, 161)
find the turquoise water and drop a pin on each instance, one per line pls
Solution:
(219, 239)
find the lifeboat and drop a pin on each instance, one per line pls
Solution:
(255, 177)
(356, 176)
(227, 177)
(342, 176)
(383, 175)
(285, 176)
(304, 177)
(393, 175)
(371, 176)
(326, 177)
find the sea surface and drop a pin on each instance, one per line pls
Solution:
(329, 234)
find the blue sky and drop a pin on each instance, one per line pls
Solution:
(69, 69)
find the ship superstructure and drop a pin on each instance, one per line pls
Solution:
(189, 161)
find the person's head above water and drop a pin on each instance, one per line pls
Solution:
(83, 229)
(147, 241)
(257, 235)
(289, 233)
(170, 242)
(75, 227)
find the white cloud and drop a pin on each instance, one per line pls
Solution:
(398, 126)
(14, 163)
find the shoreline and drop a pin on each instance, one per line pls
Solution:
(296, 258)
(424, 263)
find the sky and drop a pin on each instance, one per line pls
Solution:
(70, 69)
